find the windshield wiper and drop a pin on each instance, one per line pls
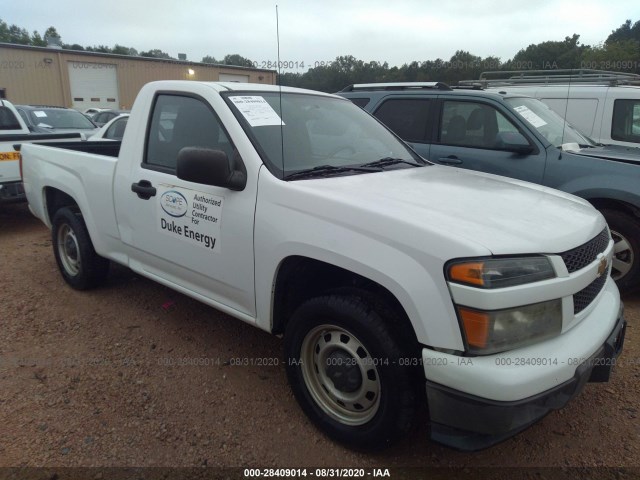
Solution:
(386, 161)
(328, 170)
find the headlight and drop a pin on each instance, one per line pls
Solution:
(492, 331)
(500, 272)
(495, 331)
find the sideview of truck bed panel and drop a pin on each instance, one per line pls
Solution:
(76, 174)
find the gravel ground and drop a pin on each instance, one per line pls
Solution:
(96, 379)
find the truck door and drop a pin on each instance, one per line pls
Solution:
(470, 134)
(194, 237)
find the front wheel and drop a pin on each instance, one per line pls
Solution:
(348, 372)
(625, 231)
(80, 265)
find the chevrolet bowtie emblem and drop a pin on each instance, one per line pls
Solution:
(602, 268)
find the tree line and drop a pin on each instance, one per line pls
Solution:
(21, 36)
(619, 52)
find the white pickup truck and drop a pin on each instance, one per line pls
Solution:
(395, 283)
(13, 130)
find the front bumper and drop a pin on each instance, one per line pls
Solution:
(468, 422)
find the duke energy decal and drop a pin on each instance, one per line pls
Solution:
(191, 216)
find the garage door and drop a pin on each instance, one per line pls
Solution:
(229, 77)
(93, 85)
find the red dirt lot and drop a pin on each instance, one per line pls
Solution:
(134, 374)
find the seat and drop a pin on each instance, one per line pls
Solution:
(475, 128)
(476, 120)
(482, 128)
(456, 130)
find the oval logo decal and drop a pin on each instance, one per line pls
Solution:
(174, 203)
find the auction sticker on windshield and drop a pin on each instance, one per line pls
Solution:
(190, 215)
(529, 116)
(256, 110)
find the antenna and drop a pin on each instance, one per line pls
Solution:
(280, 92)
(566, 110)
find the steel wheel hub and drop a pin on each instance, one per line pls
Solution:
(340, 375)
(69, 250)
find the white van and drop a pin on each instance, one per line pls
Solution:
(598, 105)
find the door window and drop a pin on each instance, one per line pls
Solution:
(406, 117)
(473, 124)
(8, 120)
(116, 130)
(626, 121)
(179, 121)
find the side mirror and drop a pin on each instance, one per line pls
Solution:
(513, 142)
(210, 167)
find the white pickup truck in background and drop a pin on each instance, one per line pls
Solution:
(396, 283)
(13, 130)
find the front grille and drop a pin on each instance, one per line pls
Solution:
(581, 256)
(584, 297)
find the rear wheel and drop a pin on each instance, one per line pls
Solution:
(349, 372)
(625, 231)
(79, 264)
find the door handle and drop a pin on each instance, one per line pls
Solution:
(450, 160)
(144, 189)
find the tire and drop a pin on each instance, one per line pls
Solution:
(625, 230)
(349, 373)
(80, 265)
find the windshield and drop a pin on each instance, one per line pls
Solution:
(60, 118)
(318, 131)
(547, 122)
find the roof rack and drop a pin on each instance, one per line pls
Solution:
(397, 86)
(35, 105)
(470, 86)
(499, 78)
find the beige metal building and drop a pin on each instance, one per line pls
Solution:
(70, 78)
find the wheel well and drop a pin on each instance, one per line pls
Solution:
(619, 205)
(57, 199)
(302, 278)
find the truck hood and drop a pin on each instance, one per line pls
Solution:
(504, 216)
(613, 152)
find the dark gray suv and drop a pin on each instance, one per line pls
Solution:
(519, 137)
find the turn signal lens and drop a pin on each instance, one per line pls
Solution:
(476, 327)
(467, 273)
(501, 272)
(499, 330)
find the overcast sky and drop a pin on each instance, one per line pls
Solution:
(311, 31)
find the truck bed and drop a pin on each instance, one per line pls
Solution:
(36, 137)
(74, 170)
(10, 182)
(108, 149)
